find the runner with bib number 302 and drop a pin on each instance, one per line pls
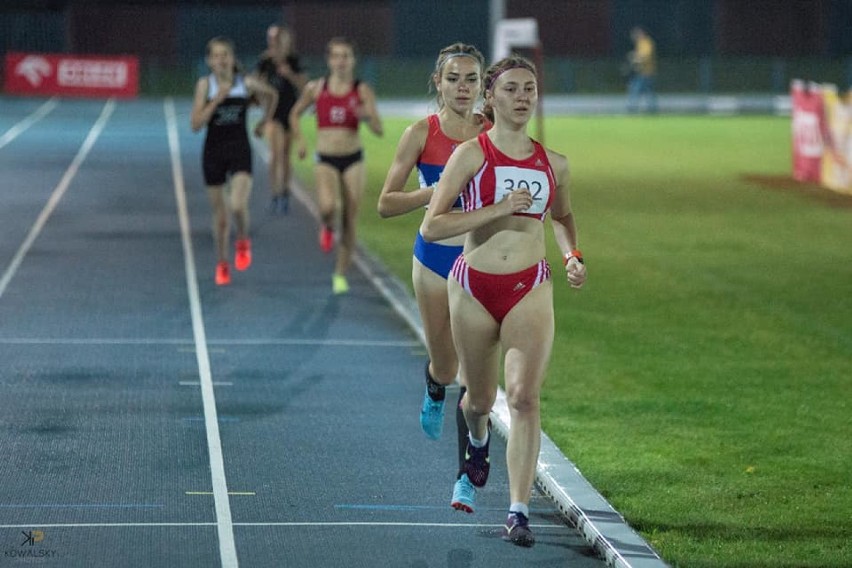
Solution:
(500, 291)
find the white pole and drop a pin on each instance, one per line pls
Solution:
(496, 12)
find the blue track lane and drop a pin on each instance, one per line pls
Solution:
(104, 431)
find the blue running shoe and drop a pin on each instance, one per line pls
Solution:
(517, 530)
(477, 463)
(432, 417)
(463, 494)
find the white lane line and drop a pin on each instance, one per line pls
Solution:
(276, 524)
(324, 342)
(185, 342)
(90, 341)
(386, 524)
(224, 523)
(22, 126)
(85, 525)
(57, 194)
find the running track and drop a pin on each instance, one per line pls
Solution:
(149, 418)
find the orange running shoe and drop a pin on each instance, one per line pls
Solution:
(223, 274)
(242, 259)
(326, 238)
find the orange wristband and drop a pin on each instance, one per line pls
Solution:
(573, 254)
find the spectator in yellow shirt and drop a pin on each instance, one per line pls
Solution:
(643, 67)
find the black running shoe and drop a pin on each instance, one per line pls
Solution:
(477, 463)
(517, 530)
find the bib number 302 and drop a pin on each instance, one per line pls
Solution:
(510, 178)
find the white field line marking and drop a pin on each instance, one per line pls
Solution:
(186, 342)
(224, 524)
(57, 194)
(326, 342)
(22, 126)
(275, 524)
(90, 341)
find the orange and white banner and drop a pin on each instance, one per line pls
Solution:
(71, 75)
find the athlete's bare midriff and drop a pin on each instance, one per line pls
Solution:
(506, 245)
(337, 141)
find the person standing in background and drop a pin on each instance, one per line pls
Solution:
(220, 103)
(279, 66)
(342, 103)
(643, 67)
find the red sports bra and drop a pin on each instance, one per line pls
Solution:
(501, 174)
(338, 111)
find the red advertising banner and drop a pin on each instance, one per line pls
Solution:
(809, 128)
(71, 75)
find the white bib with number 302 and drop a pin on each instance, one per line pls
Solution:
(510, 178)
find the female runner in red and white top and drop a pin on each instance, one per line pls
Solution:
(342, 103)
(500, 291)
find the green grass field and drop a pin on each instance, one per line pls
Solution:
(702, 378)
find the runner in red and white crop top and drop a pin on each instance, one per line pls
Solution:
(342, 103)
(501, 174)
(500, 291)
(338, 111)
